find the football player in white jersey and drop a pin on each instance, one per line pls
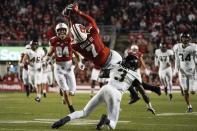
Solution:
(163, 59)
(121, 78)
(185, 64)
(29, 59)
(25, 71)
(33, 58)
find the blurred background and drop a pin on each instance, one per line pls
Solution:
(121, 23)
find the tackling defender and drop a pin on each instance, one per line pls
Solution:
(121, 78)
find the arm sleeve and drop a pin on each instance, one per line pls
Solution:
(88, 18)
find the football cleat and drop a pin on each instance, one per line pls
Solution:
(37, 99)
(61, 122)
(189, 110)
(102, 122)
(170, 96)
(151, 110)
(45, 95)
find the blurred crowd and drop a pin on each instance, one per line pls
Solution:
(162, 20)
(22, 20)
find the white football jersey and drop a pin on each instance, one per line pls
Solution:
(35, 58)
(32, 55)
(39, 55)
(185, 57)
(162, 58)
(122, 78)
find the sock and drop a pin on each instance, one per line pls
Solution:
(39, 95)
(44, 91)
(149, 105)
(190, 106)
(71, 108)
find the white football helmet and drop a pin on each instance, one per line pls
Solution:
(79, 33)
(61, 26)
(134, 48)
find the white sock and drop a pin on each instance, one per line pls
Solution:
(44, 91)
(39, 95)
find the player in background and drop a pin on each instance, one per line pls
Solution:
(134, 50)
(24, 71)
(163, 62)
(185, 63)
(121, 78)
(33, 59)
(87, 42)
(60, 47)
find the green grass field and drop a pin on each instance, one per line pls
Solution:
(18, 113)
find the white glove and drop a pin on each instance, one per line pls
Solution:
(66, 10)
(69, 7)
(81, 66)
(147, 72)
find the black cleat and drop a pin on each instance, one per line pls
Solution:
(61, 122)
(189, 110)
(37, 99)
(170, 96)
(151, 110)
(45, 95)
(133, 100)
(102, 122)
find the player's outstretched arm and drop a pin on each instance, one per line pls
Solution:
(87, 17)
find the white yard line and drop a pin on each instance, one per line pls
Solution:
(74, 122)
(175, 114)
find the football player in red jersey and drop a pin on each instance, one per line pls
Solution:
(60, 47)
(134, 50)
(87, 41)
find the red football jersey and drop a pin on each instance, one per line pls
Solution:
(93, 48)
(61, 48)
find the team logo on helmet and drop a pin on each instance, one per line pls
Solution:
(185, 37)
(79, 33)
(134, 48)
(61, 30)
